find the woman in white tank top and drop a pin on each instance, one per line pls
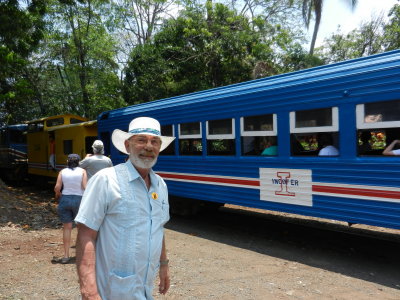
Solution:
(71, 182)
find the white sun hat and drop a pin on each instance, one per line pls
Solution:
(98, 147)
(141, 125)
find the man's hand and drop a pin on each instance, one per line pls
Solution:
(164, 279)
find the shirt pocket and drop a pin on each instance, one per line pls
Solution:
(160, 208)
(125, 288)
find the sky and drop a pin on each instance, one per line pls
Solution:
(337, 12)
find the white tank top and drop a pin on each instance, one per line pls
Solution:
(72, 181)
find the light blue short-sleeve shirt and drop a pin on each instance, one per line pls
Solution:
(130, 222)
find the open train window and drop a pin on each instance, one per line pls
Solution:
(168, 130)
(258, 135)
(75, 121)
(67, 147)
(17, 136)
(315, 132)
(378, 124)
(35, 127)
(371, 142)
(190, 139)
(221, 137)
(55, 122)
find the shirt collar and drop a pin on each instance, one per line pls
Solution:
(133, 174)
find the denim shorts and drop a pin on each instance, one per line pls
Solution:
(68, 208)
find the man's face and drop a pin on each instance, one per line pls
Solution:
(143, 150)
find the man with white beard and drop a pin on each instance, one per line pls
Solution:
(120, 243)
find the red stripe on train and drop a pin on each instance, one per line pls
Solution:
(356, 191)
(315, 188)
(211, 179)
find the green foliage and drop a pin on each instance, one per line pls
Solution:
(206, 47)
(67, 56)
(78, 71)
(21, 29)
(392, 29)
(370, 38)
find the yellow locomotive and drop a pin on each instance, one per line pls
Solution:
(51, 139)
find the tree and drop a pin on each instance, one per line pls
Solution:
(21, 29)
(81, 58)
(202, 48)
(392, 29)
(366, 40)
(313, 8)
(206, 47)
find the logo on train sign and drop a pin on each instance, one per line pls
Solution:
(290, 186)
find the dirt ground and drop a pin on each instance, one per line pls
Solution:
(209, 259)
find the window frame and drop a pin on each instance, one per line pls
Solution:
(360, 117)
(189, 136)
(273, 132)
(333, 128)
(230, 136)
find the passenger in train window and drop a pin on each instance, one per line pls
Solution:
(269, 145)
(365, 138)
(325, 142)
(389, 150)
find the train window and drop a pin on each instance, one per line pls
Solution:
(258, 133)
(75, 121)
(55, 122)
(371, 142)
(258, 125)
(378, 124)
(221, 137)
(190, 130)
(315, 132)
(315, 144)
(378, 115)
(190, 142)
(220, 129)
(67, 144)
(318, 120)
(35, 127)
(17, 136)
(168, 130)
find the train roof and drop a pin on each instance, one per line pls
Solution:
(273, 85)
(21, 127)
(83, 124)
(57, 116)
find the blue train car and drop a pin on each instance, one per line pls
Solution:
(260, 143)
(13, 151)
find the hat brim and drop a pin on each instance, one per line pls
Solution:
(119, 137)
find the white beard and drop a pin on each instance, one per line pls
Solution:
(141, 163)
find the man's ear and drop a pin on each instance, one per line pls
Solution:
(126, 145)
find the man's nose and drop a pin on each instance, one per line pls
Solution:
(149, 145)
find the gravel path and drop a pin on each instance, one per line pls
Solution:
(228, 255)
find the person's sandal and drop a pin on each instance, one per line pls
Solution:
(64, 260)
